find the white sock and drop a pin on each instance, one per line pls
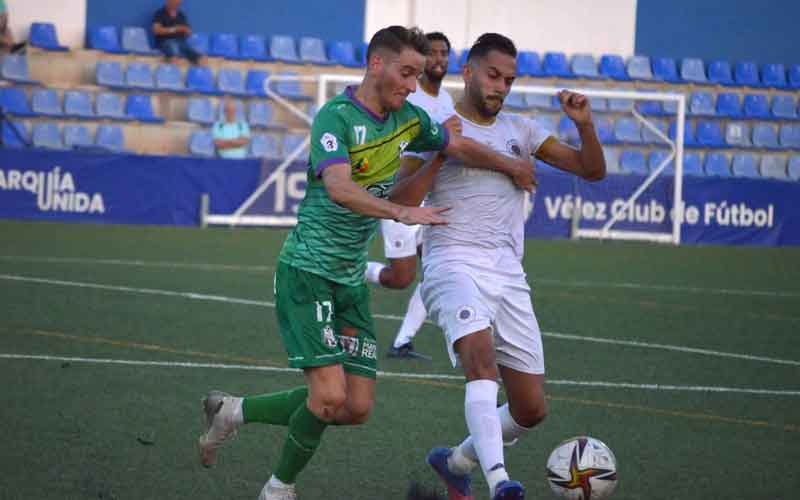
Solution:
(373, 273)
(274, 481)
(415, 316)
(238, 415)
(464, 458)
(483, 422)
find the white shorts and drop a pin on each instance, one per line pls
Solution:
(400, 240)
(463, 300)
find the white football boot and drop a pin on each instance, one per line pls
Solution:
(219, 409)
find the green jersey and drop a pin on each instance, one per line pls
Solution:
(330, 240)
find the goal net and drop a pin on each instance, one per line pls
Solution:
(642, 135)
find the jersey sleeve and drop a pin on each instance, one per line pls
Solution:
(432, 136)
(537, 135)
(330, 143)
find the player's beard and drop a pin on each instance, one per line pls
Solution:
(435, 77)
(485, 107)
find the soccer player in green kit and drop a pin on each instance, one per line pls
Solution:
(322, 301)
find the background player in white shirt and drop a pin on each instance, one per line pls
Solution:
(475, 287)
(401, 243)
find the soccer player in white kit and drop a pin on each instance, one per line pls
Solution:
(401, 243)
(475, 287)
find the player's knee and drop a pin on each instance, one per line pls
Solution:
(531, 416)
(327, 403)
(359, 412)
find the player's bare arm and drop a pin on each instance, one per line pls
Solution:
(343, 191)
(587, 162)
(477, 155)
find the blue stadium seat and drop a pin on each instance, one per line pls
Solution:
(110, 137)
(45, 102)
(650, 108)
(292, 141)
(701, 104)
(135, 41)
(744, 165)
(78, 104)
(692, 165)
(709, 134)
(312, 51)
(612, 66)
(567, 131)
(260, 115)
(254, 83)
(109, 74)
(224, 45)
(605, 130)
(627, 130)
(793, 169)
(199, 42)
(528, 64)
(538, 101)
(13, 101)
(620, 105)
(454, 68)
(784, 107)
(670, 107)
(106, 39)
(282, 48)
(765, 136)
(689, 137)
(717, 165)
(746, 73)
(344, 54)
(516, 102)
(774, 167)
(77, 136)
(15, 134)
(693, 71)
(47, 135)
(253, 48)
(737, 135)
(719, 72)
(111, 106)
(584, 66)
(361, 54)
(729, 105)
(773, 76)
(639, 68)
(140, 108)
(632, 162)
(656, 158)
(666, 70)
(649, 137)
(555, 65)
(201, 143)
(462, 59)
(794, 77)
(756, 107)
(168, 79)
(229, 81)
(789, 136)
(264, 146)
(139, 76)
(14, 68)
(240, 115)
(200, 110)
(599, 104)
(201, 80)
(611, 156)
(290, 89)
(43, 36)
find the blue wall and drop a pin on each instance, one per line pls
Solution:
(330, 20)
(736, 30)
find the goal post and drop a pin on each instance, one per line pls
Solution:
(328, 85)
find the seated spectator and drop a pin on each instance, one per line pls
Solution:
(6, 38)
(171, 29)
(231, 136)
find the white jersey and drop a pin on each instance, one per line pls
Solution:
(439, 108)
(486, 209)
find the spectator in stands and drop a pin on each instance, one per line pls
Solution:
(231, 136)
(171, 29)
(6, 39)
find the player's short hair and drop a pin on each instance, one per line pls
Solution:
(491, 41)
(397, 38)
(438, 36)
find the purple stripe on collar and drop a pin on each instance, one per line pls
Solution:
(327, 163)
(350, 92)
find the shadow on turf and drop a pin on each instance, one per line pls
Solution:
(417, 492)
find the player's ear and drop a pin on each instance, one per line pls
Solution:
(466, 72)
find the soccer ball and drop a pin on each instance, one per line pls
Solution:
(582, 468)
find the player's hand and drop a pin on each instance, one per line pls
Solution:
(422, 215)
(453, 125)
(523, 175)
(576, 106)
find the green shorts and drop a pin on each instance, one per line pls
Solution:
(325, 323)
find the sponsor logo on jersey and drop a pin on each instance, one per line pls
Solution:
(513, 147)
(465, 314)
(328, 337)
(349, 345)
(362, 166)
(329, 142)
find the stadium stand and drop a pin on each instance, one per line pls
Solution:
(744, 165)
(717, 165)
(78, 104)
(15, 134)
(105, 39)
(77, 137)
(46, 135)
(15, 69)
(45, 102)
(44, 36)
(14, 102)
(253, 48)
(136, 41)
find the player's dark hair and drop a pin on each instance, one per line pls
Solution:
(397, 38)
(438, 36)
(492, 41)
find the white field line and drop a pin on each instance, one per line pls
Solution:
(259, 303)
(204, 266)
(400, 375)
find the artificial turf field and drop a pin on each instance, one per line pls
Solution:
(686, 361)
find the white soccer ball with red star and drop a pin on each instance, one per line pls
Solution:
(582, 468)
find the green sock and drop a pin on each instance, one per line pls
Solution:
(305, 432)
(275, 408)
